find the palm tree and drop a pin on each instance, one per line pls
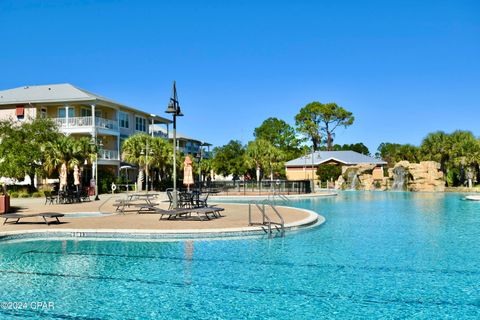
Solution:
(161, 156)
(262, 155)
(69, 151)
(464, 151)
(133, 151)
(273, 160)
(255, 155)
(436, 147)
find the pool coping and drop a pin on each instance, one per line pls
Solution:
(313, 219)
(291, 196)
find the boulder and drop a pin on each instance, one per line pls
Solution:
(423, 176)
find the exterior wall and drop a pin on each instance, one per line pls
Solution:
(9, 112)
(300, 173)
(377, 173)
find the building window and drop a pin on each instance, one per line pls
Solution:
(43, 113)
(20, 112)
(140, 124)
(87, 112)
(61, 113)
(124, 120)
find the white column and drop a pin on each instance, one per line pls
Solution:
(118, 137)
(95, 165)
(66, 116)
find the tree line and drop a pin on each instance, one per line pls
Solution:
(458, 154)
(276, 141)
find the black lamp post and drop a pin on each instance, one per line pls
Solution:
(174, 109)
(199, 158)
(98, 145)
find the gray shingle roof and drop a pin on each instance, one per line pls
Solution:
(64, 92)
(346, 157)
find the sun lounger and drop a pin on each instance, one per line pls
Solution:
(18, 216)
(215, 211)
(171, 213)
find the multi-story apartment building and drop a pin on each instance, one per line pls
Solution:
(185, 144)
(80, 113)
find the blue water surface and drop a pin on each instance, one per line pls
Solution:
(380, 255)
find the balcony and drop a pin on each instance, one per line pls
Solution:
(85, 122)
(104, 154)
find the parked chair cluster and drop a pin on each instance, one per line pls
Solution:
(68, 196)
(187, 204)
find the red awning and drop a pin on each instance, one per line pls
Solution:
(20, 111)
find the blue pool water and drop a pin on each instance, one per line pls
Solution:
(379, 255)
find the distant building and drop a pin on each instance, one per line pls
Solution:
(185, 144)
(305, 167)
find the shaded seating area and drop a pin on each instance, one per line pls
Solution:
(17, 217)
(67, 196)
(186, 199)
(188, 203)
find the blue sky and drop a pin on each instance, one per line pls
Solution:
(404, 68)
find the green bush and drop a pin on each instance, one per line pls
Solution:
(36, 195)
(452, 177)
(13, 194)
(328, 172)
(105, 179)
(23, 194)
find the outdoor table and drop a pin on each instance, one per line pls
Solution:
(131, 198)
(147, 197)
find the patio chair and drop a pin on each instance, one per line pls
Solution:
(170, 198)
(84, 195)
(185, 200)
(50, 198)
(202, 200)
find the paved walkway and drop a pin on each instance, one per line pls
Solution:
(234, 216)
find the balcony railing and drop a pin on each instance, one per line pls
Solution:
(82, 122)
(104, 154)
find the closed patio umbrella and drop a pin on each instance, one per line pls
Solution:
(76, 176)
(63, 176)
(187, 172)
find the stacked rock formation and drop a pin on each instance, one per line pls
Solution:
(423, 176)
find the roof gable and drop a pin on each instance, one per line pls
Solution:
(345, 157)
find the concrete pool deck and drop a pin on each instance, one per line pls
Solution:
(234, 219)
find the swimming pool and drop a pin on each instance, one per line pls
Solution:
(379, 255)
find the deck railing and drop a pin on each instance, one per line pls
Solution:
(81, 122)
(264, 187)
(105, 154)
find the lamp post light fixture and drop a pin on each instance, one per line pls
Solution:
(174, 109)
(199, 157)
(313, 170)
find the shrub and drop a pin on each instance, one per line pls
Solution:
(36, 195)
(452, 177)
(23, 194)
(13, 194)
(328, 172)
(105, 179)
